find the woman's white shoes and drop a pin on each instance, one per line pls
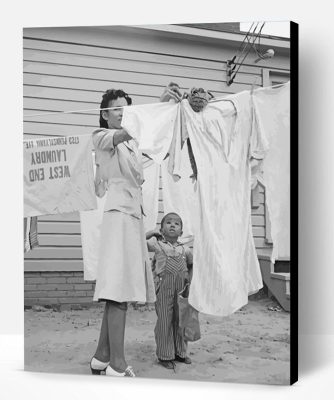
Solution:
(111, 372)
(128, 372)
(97, 366)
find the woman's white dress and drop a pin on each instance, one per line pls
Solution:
(124, 271)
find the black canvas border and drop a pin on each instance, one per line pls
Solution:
(294, 160)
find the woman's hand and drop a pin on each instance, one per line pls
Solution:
(120, 136)
(172, 91)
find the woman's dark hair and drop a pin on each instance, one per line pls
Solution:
(109, 95)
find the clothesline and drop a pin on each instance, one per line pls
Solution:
(94, 109)
(115, 108)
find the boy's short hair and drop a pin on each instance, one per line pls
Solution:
(171, 213)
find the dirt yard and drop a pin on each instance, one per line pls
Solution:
(251, 346)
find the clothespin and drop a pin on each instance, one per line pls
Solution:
(211, 96)
(229, 71)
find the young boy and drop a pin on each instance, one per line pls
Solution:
(172, 267)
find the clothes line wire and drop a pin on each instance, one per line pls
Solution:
(89, 109)
(96, 109)
(240, 54)
(250, 47)
(216, 99)
(72, 111)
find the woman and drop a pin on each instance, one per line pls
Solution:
(123, 273)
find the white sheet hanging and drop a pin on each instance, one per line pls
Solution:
(226, 268)
(179, 194)
(150, 191)
(152, 126)
(272, 116)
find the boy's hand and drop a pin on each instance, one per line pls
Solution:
(156, 233)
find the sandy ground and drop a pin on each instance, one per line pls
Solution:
(252, 345)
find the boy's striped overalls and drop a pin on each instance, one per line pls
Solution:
(169, 282)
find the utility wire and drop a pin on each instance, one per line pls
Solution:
(250, 47)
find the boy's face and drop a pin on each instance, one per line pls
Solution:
(172, 226)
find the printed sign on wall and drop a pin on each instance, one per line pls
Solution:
(58, 175)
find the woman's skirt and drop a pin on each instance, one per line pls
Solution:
(124, 272)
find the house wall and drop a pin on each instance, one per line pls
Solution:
(69, 69)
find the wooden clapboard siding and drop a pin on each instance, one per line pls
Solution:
(59, 227)
(32, 129)
(116, 66)
(59, 239)
(70, 95)
(53, 265)
(32, 104)
(258, 210)
(53, 252)
(257, 220)
(70, 217)
(139, 57)
(189, 78)
(69, 69)
(154, 43)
